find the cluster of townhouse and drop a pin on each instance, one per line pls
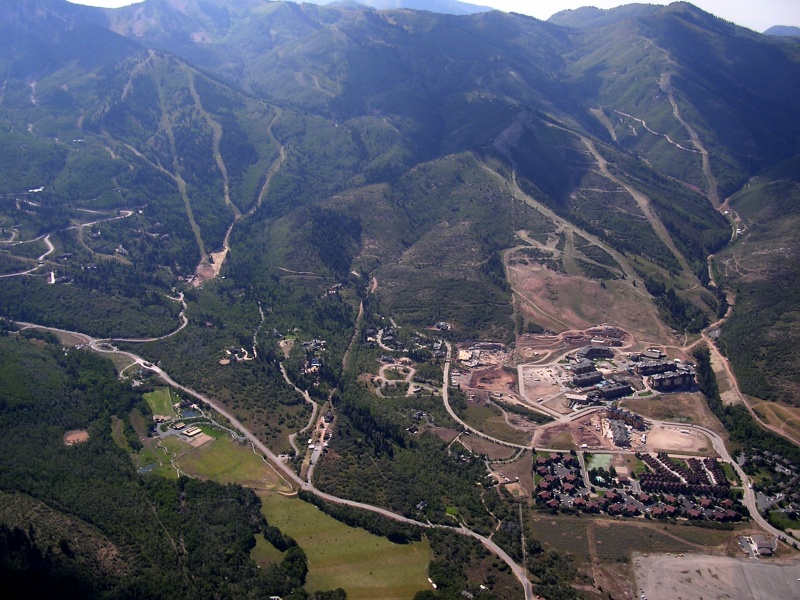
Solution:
(700, 491)
(695, 477)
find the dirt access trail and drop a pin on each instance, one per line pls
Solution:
(570, 230)
(216, 130)
(644, 205)
(712, 193)
(166, 125)
(733, 382)
(209, 269)
(566, 226)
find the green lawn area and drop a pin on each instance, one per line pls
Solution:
(212, 431)
(780, 520)
(118, 434)
(161, 401)
(152, 455)
(489, 420)
(731, 474)
(226, 461)
(364, 565)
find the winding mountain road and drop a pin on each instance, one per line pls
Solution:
(45, 237)
(292, 477)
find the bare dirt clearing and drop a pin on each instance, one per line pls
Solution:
(673, 439)
(556, 435)
(716, 578)
(286, 346)
(492, 379)
(444, 433)
(559, 301)
(76, 436)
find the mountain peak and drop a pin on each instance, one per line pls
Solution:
(783, 31)
(589, 17)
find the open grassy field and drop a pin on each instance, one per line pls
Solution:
(365, 565)
(603, 548)
(118, 434)
(226, 461)
(682, 408)
(785, 418)
(614, 541)
(151, 454)
(564, 534)
(490, 421)
(138, 422)
(265, 553)
(480, 445)
(161, 401)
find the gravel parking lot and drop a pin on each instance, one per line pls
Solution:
(705, 577)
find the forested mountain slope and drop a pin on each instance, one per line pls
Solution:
(240, 192)
(634, 124)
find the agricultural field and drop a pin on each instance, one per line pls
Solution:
(226, 461)
(363, 564)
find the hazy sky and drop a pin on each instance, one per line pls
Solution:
(755, 14)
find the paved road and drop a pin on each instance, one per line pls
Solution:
(50, 247)
(314, 408)
(181, 315)
(749, 499)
